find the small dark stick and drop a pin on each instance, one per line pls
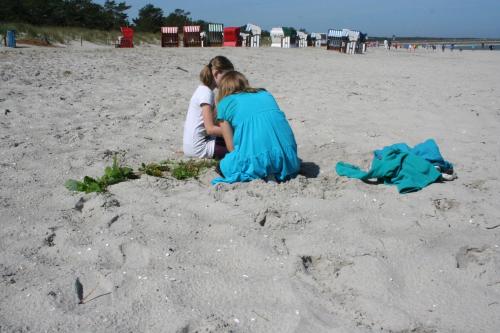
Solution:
(79, 290)
(493, 227)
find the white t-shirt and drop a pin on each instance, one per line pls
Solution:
(196, 142)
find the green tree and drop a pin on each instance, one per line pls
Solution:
(115, 13)
(150, 19)
(178, 18)
(83, 13)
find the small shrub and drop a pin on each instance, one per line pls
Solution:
(112, 175)
(191, 169)
(154, 169)
(178, 169)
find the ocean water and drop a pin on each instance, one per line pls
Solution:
(476, 47)
(468, 47)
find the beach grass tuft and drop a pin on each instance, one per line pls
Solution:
(191, 168)
(180, 170)
(114, 174)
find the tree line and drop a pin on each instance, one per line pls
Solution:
(70, 13)
(87, 14)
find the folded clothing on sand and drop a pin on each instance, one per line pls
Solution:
(428, 150)
(410, 169)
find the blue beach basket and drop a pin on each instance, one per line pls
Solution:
(11, 38)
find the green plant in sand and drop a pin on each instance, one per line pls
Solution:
(181, 170)
(155, 169)
(112, 175)
(191, 168)
(178, 169)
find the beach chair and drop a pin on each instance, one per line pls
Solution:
(336, 40)
(245, 39)
(362, 43)
(316, 39)
(169, 37)
(324, 39)
(126, 40)
(251, 35)
(290, 39)
(215, 34)
(277, 35)
(232, 36)
(301, 39)
(191, 36)
(10, 38)
(254, 31)
(353, 37)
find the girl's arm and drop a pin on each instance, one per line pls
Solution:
(227, 134)
(208, 121)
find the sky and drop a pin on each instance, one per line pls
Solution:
(423, 18)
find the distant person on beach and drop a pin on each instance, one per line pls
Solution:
(260, 141)
(443, 47)
(202, 136)
(491, 47)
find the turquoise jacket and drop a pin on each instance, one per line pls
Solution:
(399, 165)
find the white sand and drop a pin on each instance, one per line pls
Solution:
(333, 254)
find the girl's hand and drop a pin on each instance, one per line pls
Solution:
(208, 121)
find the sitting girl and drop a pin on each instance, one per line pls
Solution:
(257, 134)
(200, 131)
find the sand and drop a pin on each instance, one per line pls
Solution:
(320, 253)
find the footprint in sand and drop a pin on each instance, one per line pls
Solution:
(135, 255)
(280, 218)
(477, 185)
(472, 255)
(444, 204)
(211, 323)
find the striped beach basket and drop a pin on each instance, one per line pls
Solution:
(169, 36)
(215, 34)
(191, 36)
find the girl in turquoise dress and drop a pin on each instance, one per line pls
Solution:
(257, 134)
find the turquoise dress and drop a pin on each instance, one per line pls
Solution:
(264, 144)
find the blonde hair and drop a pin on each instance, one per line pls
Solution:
(234, 82)
(219, 63)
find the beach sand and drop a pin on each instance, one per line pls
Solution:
(320, 253)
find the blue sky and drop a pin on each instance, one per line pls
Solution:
(431, 18)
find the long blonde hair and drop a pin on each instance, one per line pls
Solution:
(234, 82)
(219, 63)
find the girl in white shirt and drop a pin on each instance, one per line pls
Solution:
(202, 136)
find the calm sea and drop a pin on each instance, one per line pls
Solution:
(475, 47)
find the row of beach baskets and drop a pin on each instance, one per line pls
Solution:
(194, 36)
(215, 34)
